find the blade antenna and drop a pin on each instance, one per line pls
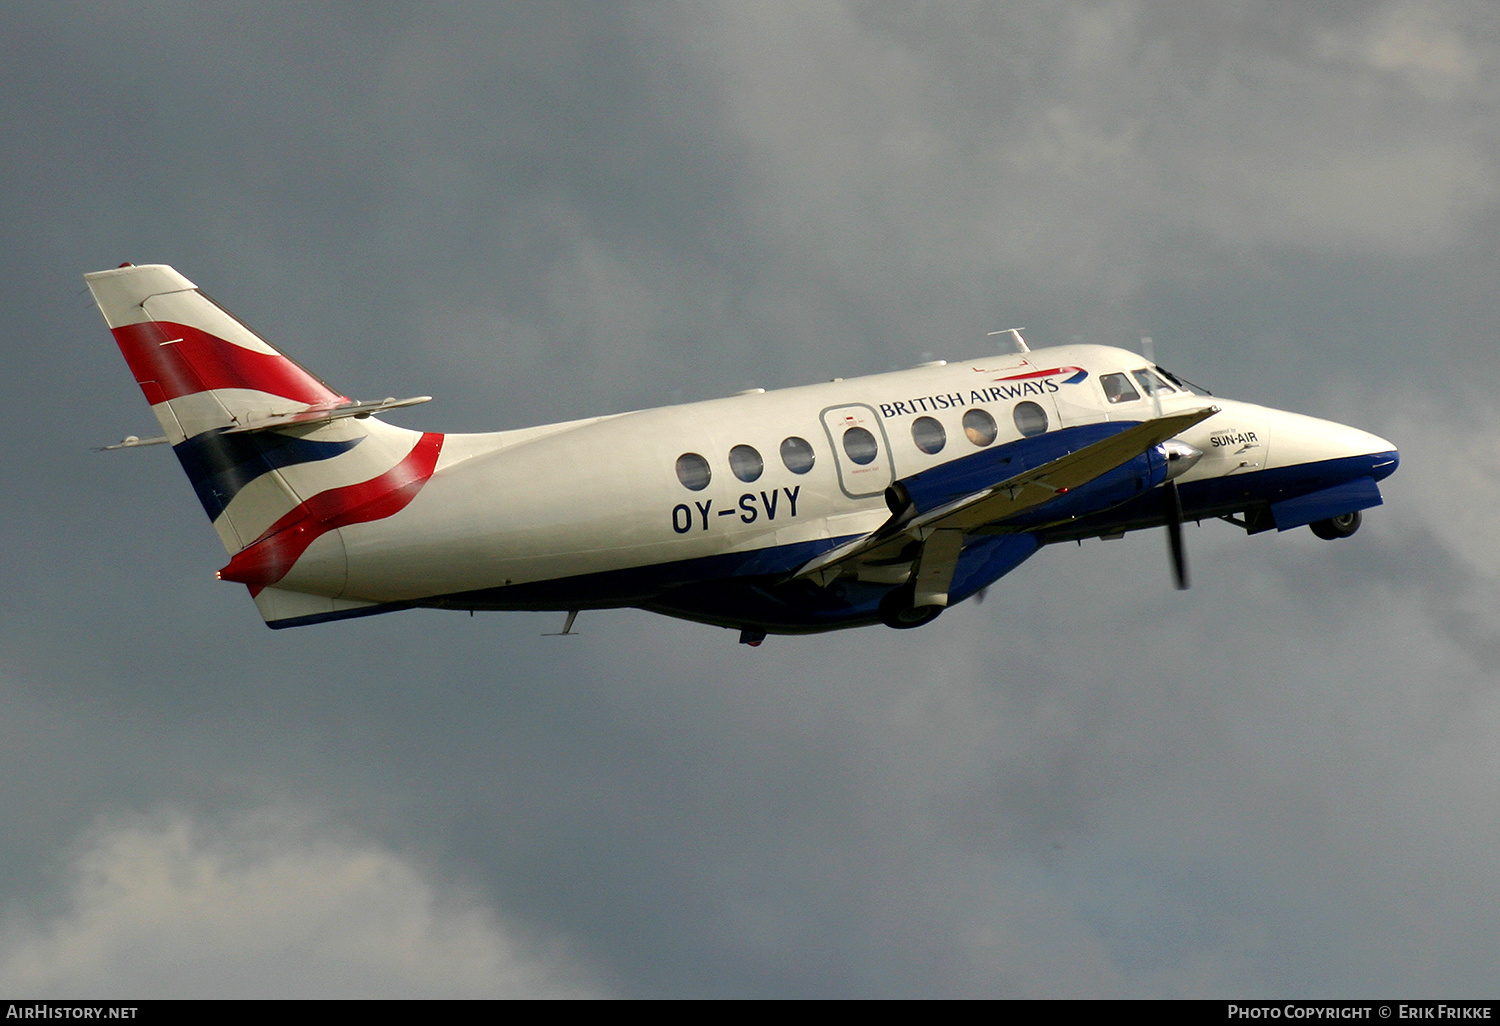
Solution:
(567, 631)
(1015, 338)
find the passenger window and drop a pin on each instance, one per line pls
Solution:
(746, 463)
(861, 445)
(929, 435)
(1151, 384)
(980, 427)
(693, 472)
(1118, 389)
(797, 454)
(1031, 419)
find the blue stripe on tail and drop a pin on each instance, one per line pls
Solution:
(219, 465)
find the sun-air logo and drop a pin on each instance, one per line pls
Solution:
(1016, 386)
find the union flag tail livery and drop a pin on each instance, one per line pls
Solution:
(277, 457)
(882, 499)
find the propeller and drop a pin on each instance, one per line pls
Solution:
(1172, 498)
(1177, 452)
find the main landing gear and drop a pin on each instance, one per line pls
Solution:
(896, 609)
(1337, 527)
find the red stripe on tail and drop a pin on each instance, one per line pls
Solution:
(171, 360)
(267, 559)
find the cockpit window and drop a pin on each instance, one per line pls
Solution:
(1118, 389)
(1151, 384)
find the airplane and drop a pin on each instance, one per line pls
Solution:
(878, 499)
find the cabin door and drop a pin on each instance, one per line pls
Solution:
(860, 449)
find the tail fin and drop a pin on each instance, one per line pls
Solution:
(199, 367)
(277, 457)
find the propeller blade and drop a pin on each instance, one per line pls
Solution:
(1171, 497)
(1175, 547)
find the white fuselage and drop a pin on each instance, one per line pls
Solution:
(603, 495)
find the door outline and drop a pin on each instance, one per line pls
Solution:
(855, 480)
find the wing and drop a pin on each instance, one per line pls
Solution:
(931, 522)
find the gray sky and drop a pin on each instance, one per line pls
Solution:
(1282, 783)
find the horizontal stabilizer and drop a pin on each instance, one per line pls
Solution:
(291, 418)
(317, 415)
(132, 442)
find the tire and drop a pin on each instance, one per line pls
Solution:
(897, 612)
(1337, 527)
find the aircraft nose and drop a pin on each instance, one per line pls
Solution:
(1386, 461)
(1380, 455)
(1300, 440)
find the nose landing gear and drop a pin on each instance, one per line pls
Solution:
(1336, 527)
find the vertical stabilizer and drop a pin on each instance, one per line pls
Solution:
(279, 460)
(199, 368)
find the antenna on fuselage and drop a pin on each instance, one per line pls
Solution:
(567, 631)
(1015, 338)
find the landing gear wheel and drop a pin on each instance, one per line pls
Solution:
(1337, 527)
(897, 611)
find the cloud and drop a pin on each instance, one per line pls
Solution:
(1095, 141)
(267, 904)
(1278, 782)
(1415, 40)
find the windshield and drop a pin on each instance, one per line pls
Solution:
(1152, 384)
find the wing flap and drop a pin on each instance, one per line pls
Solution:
(932, 573)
